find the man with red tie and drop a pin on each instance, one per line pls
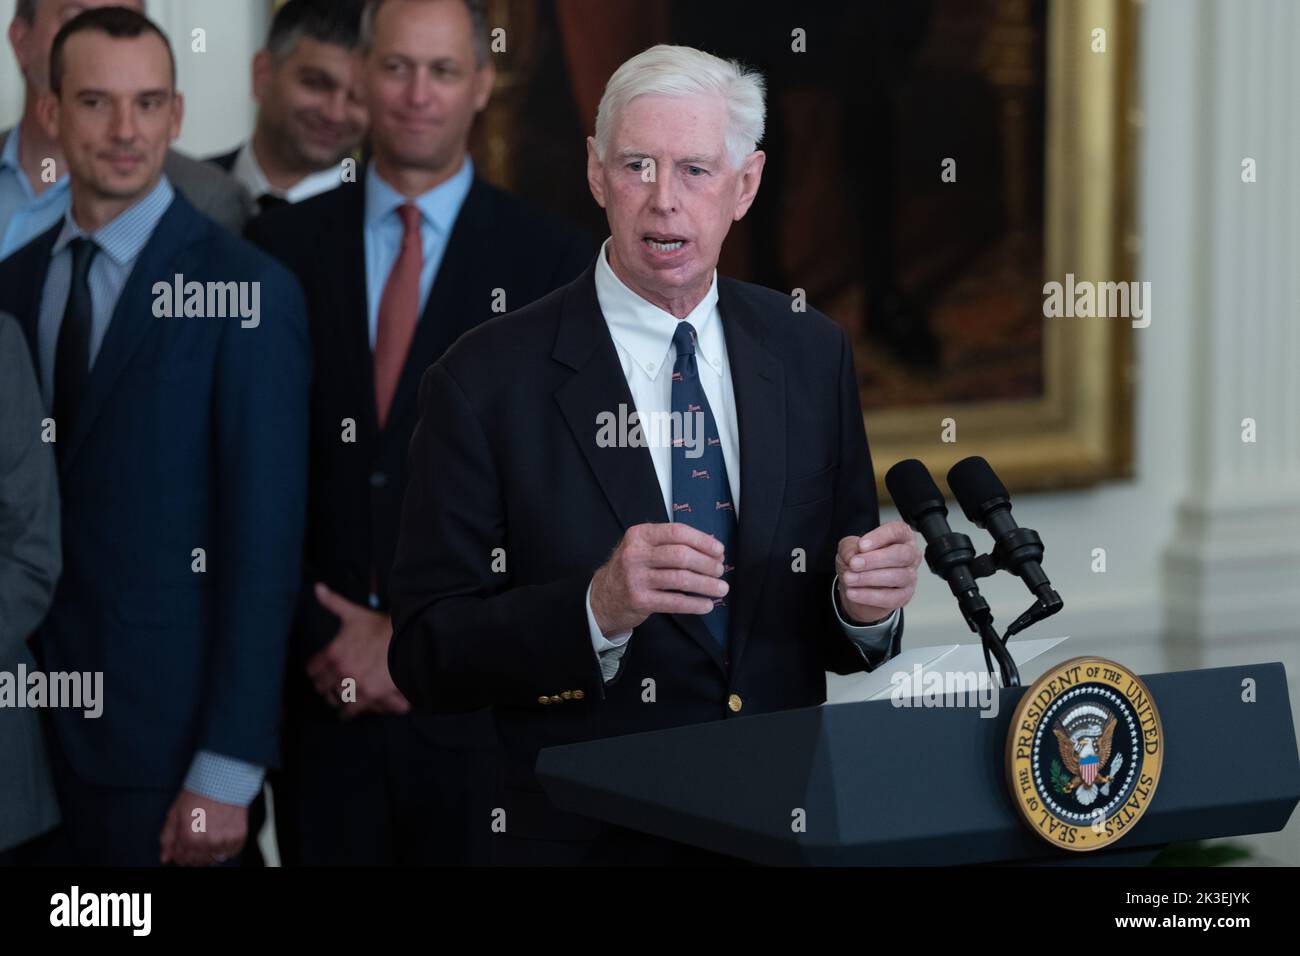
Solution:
(396, 267)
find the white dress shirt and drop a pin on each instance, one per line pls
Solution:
(248, 172)
(643, 339)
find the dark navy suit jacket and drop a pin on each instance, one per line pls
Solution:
(354, 497)
(193, 435)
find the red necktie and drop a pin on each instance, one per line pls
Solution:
(399, 310)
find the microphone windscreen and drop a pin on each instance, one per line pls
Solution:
(912, 488)
(973, 482)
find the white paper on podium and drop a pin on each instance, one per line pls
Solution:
(956, 658)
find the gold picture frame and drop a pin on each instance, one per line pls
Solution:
(1080, 432)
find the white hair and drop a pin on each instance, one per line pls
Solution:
(684, 71)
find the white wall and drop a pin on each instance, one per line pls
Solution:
(1204, 546)
(216, 84)
(219, 108)
(11, 81)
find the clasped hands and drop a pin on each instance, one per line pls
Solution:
(358, 652)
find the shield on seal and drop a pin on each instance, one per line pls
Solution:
(1088, 768)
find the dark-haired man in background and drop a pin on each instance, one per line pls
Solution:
(181, 446)
(396, 267)
(310, 111)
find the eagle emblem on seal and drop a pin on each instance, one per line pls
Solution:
(1084, 738)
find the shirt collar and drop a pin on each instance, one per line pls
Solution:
(249, 172)
(439, 206)
(645, 330)
(123, 238)
(10, 159)
(9, 155)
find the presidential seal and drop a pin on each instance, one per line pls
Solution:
(1084, 753)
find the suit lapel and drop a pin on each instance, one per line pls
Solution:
(626, 476)
(343, 258)
(133, 317)
(758, 381)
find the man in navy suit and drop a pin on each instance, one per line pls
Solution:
(645, 500)
(174, 365)
(395, 267)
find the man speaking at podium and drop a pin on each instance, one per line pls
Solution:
(587, 575)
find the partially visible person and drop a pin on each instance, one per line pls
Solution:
(181, 445)
(33, 172)
(396, 267)
(311, 114)
(29, 569)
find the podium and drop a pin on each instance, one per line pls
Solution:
(876, 784)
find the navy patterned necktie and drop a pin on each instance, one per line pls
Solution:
(701, 492)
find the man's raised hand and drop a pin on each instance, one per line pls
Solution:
(657, 569)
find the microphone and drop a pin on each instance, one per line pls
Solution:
(948, 553)
(987, 504)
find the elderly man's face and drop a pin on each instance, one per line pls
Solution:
(671, 194)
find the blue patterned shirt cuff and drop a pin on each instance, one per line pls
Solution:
(224, 779)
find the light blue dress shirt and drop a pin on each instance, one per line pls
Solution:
(212, 775)
(23, 214)
(439, 208)
(120, 243)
